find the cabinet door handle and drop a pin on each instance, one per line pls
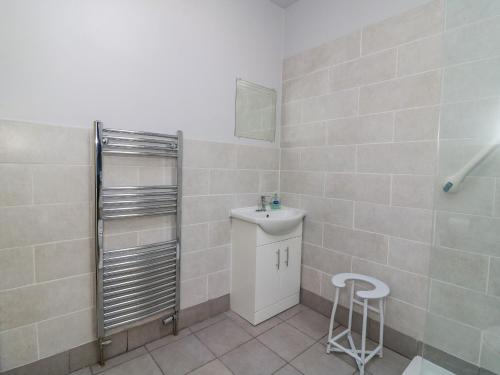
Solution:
(278, 262)
(287, 250)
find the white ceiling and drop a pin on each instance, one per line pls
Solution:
(284, 3)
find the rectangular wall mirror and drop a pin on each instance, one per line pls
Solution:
(255, 111)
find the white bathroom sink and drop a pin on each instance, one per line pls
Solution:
(274, 222)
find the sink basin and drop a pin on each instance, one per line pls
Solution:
(275, 222)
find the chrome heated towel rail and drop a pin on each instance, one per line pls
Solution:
(138, 282)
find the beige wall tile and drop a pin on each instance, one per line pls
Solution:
(194, 237)
(195, 181)
(313, 84)
(479, 311)
(405, 318)
(475, 234)
(138, 224)
(16, 183)
(473, 42)
(226, 181)
(339, 50)
(422, 55)
(120, 175)
(61, 184)
(460, 268)
(313, 232)
(334, 159)
(417, 124)
(424, 20)
(365, 129)
(461, 12)
(206, 208)
(291, 113)
(157, 176)
(310, 280)
(16, 267)
(360, 187)
(413, 191)
(202, 154)
(329, 107)
(304, 135)
(69, 331)
(193, 292)
(136, 161)
(494, 277)
(409, 255)
(117, 241)
(325, 260)
(302, 182)
(156, 235)
(269, 182)
(408, 92)
(476, 196)
(64, 259)
(31, 304)
(246, 200)
(332, 211)
(365, 70)
(21, 226)
(357, 243)
(247, 182)
(474, 119)
(471, 81)
(219, 233)
(410, 223)
(251, 157)
(405, 286)
(290, 200)
(18, 347)
(290, 159)
(219, 284)
(23, 142)
(398, 158)
(196, 264)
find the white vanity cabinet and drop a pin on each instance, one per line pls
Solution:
(265, 271)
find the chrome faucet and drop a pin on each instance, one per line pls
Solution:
(263, 202)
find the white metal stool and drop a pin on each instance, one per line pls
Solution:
(380, 291)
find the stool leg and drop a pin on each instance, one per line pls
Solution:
(381, 334)
(351, 304)
(332, 319)
(363, 337)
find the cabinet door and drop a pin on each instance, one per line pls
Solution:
(291, 253)
(267, 288)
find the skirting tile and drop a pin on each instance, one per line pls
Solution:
(121, 342)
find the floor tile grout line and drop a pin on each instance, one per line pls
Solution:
(156, 363)
(172, 342)
(287, 361)
(204, 345)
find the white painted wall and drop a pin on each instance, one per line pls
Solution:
(312, 22)
(156, 65)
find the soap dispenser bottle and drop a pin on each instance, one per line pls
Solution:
(275, 202)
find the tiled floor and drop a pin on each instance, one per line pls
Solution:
(292, 343)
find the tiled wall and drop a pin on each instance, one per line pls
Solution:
(360, 154)
(46, 228)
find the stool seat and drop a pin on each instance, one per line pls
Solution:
(380, 289)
